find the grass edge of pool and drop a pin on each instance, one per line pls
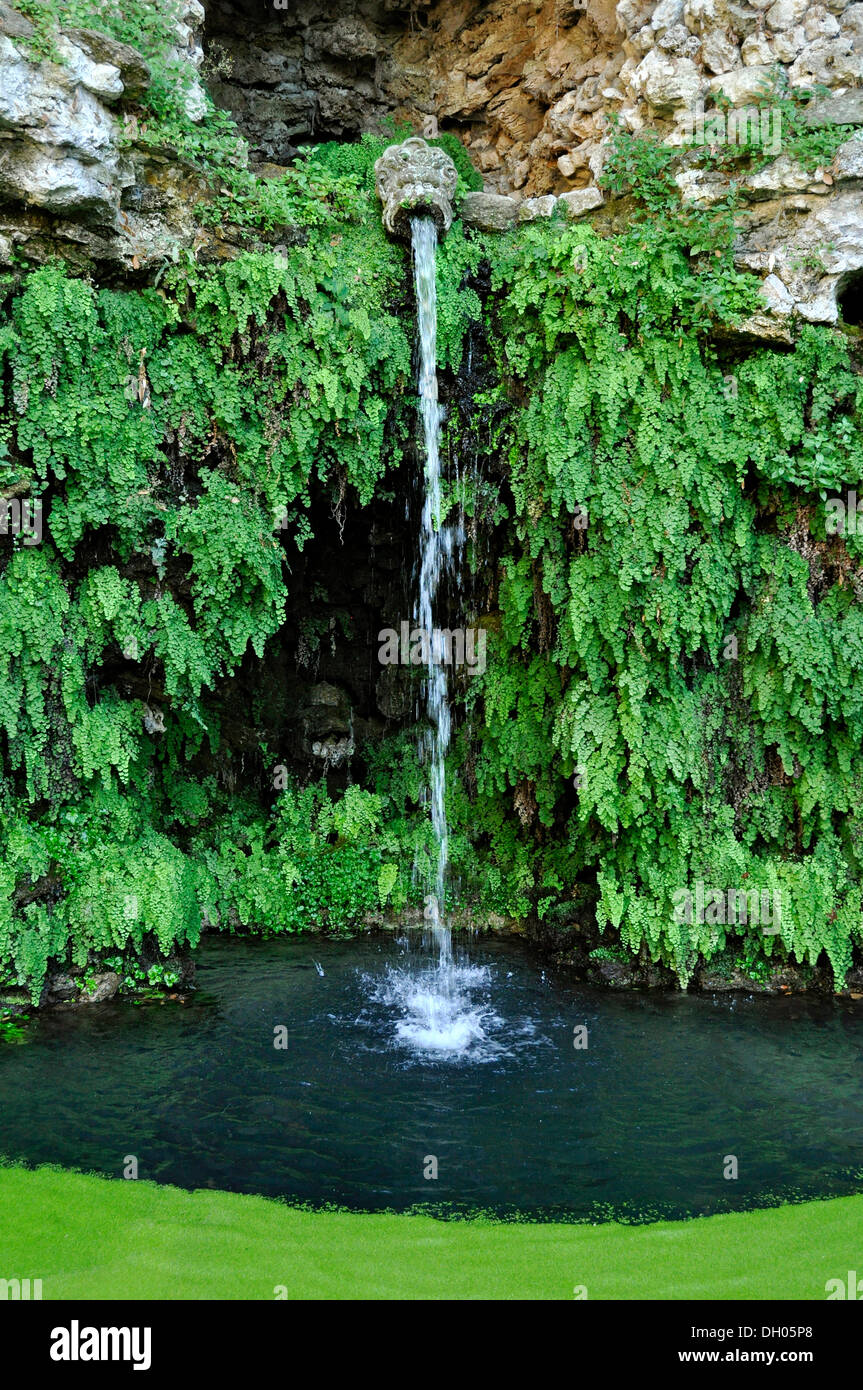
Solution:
(91, 1237)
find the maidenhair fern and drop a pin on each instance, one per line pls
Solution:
(674, 686)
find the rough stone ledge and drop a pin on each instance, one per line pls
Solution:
(497, 212)
(488, 212)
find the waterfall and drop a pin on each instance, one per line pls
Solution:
(439, 1015)
(434, 554)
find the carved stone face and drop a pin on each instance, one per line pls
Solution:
(415, 178)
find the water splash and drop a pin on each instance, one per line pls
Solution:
(470, 1022)
(441, 1017)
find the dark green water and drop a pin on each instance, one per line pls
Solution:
(639, 1124)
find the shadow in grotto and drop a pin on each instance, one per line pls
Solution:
(849, 298)
(319, 693)
(308, 73)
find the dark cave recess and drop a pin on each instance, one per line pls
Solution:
(313, 71)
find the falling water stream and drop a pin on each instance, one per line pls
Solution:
(434, 556)
(438, 1013)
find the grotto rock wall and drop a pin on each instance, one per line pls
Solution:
(520, 83)
(531, 86)
(75, 180)
(528, 86)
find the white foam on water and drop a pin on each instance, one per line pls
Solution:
(447, 1018)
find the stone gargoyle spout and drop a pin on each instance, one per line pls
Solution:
(415, 178)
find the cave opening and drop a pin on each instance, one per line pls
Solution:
(308, 74)
(849, 299)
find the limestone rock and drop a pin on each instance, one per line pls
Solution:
(820, 24)
(679, 42)
(42, 101)
(102, 988)
(744, 85)
(848, 161)
(633, 14)
(837, 224)
(102, 79)
(667, 83)
(532, 208)
(826, 62)
(851, 21)
(785, 14)
(57, 183)
(788, 44)
(349, 38)
(61, 987)
(757, 51)
(779, 298)
(190, 53)
(709, 16)
(718, 53)
(811, 253)
(562, 116)
(490, 212)
(580, 201)
(61, 148)
(14, 24)
(702, 187)
(820, 308)
(783, 175)
(667, 15)
(761, 330)
(840, 108)
(132, 67)
(324, 725)
(636, 45)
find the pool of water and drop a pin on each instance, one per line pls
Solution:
(362, 1107)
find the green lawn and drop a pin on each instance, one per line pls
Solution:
(90, 1237)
